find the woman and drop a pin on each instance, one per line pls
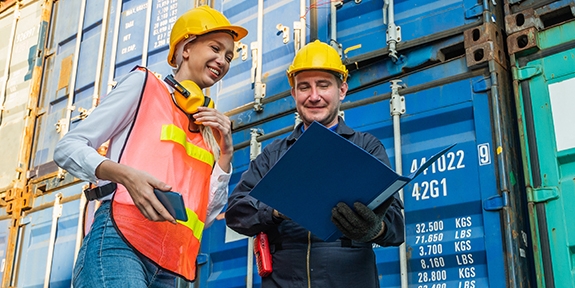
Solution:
(163, 135)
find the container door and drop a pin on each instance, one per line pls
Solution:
(4, 234)
(416, 22)
(143, 34)
(548, 103)
(451, 232)
(19, 31)
(260, 65)
(73, 59)
(48, 235)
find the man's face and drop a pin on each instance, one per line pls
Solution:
(317, 97)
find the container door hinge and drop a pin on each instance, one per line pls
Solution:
(255, 145)
(482, 85)
(284, 31)
(61, 127)
(84, 113)
(526, 72)
(337, 46)
(397, 102)
(255, 64)
(259, 95)
(297, 120)
(259, 86)
(474, 11)
(242, 50)
(496, 202)
(298, 41)
(202, 259)
(544, 194)
(25, 220)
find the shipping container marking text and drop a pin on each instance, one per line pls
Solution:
(429, 236)
(436, 188)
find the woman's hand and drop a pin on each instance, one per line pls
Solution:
(222, 128)
(140, 186)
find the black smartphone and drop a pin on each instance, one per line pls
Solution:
(174, 203)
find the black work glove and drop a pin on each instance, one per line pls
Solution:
(363, 225)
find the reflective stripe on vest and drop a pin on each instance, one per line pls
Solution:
(172, 133)
(194, 223)
(179, 158)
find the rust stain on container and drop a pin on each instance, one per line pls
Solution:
(5, 4)
(64, 78)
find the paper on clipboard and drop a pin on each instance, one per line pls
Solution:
(321, 169)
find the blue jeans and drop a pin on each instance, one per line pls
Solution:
(105, 260)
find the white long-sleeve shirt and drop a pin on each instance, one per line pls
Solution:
(76, 151)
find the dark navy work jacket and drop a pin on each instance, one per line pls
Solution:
(343, 263)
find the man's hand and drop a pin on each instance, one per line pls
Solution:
(279, 215)
(363, 225)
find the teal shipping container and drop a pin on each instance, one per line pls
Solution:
(544, 83)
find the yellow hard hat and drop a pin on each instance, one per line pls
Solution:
(198, 21)
(316, 56)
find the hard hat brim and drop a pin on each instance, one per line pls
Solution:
(292, 73)
(317, 55)
(238, 34)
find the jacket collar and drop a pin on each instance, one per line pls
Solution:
(342, 129)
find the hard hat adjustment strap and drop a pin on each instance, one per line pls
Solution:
(180, 49)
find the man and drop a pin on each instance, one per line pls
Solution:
(300, 259)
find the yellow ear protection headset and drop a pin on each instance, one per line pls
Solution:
(188, 95)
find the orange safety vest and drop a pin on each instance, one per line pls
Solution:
(161, 144)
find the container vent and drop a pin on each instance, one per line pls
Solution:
(556, 17)
(453, 52)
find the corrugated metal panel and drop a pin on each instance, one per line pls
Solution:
(20, 29)
(132, 37)
(518, 6)
(4, 236)
(437, 231)
(48, 232)
(420, 22)
(544, 84)
(416, 19)
(237, 88)
(64, 100)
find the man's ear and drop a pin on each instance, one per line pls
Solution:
(343, 90)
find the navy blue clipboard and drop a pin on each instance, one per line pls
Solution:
(321, 169)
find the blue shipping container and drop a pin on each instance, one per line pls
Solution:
(452, 211)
